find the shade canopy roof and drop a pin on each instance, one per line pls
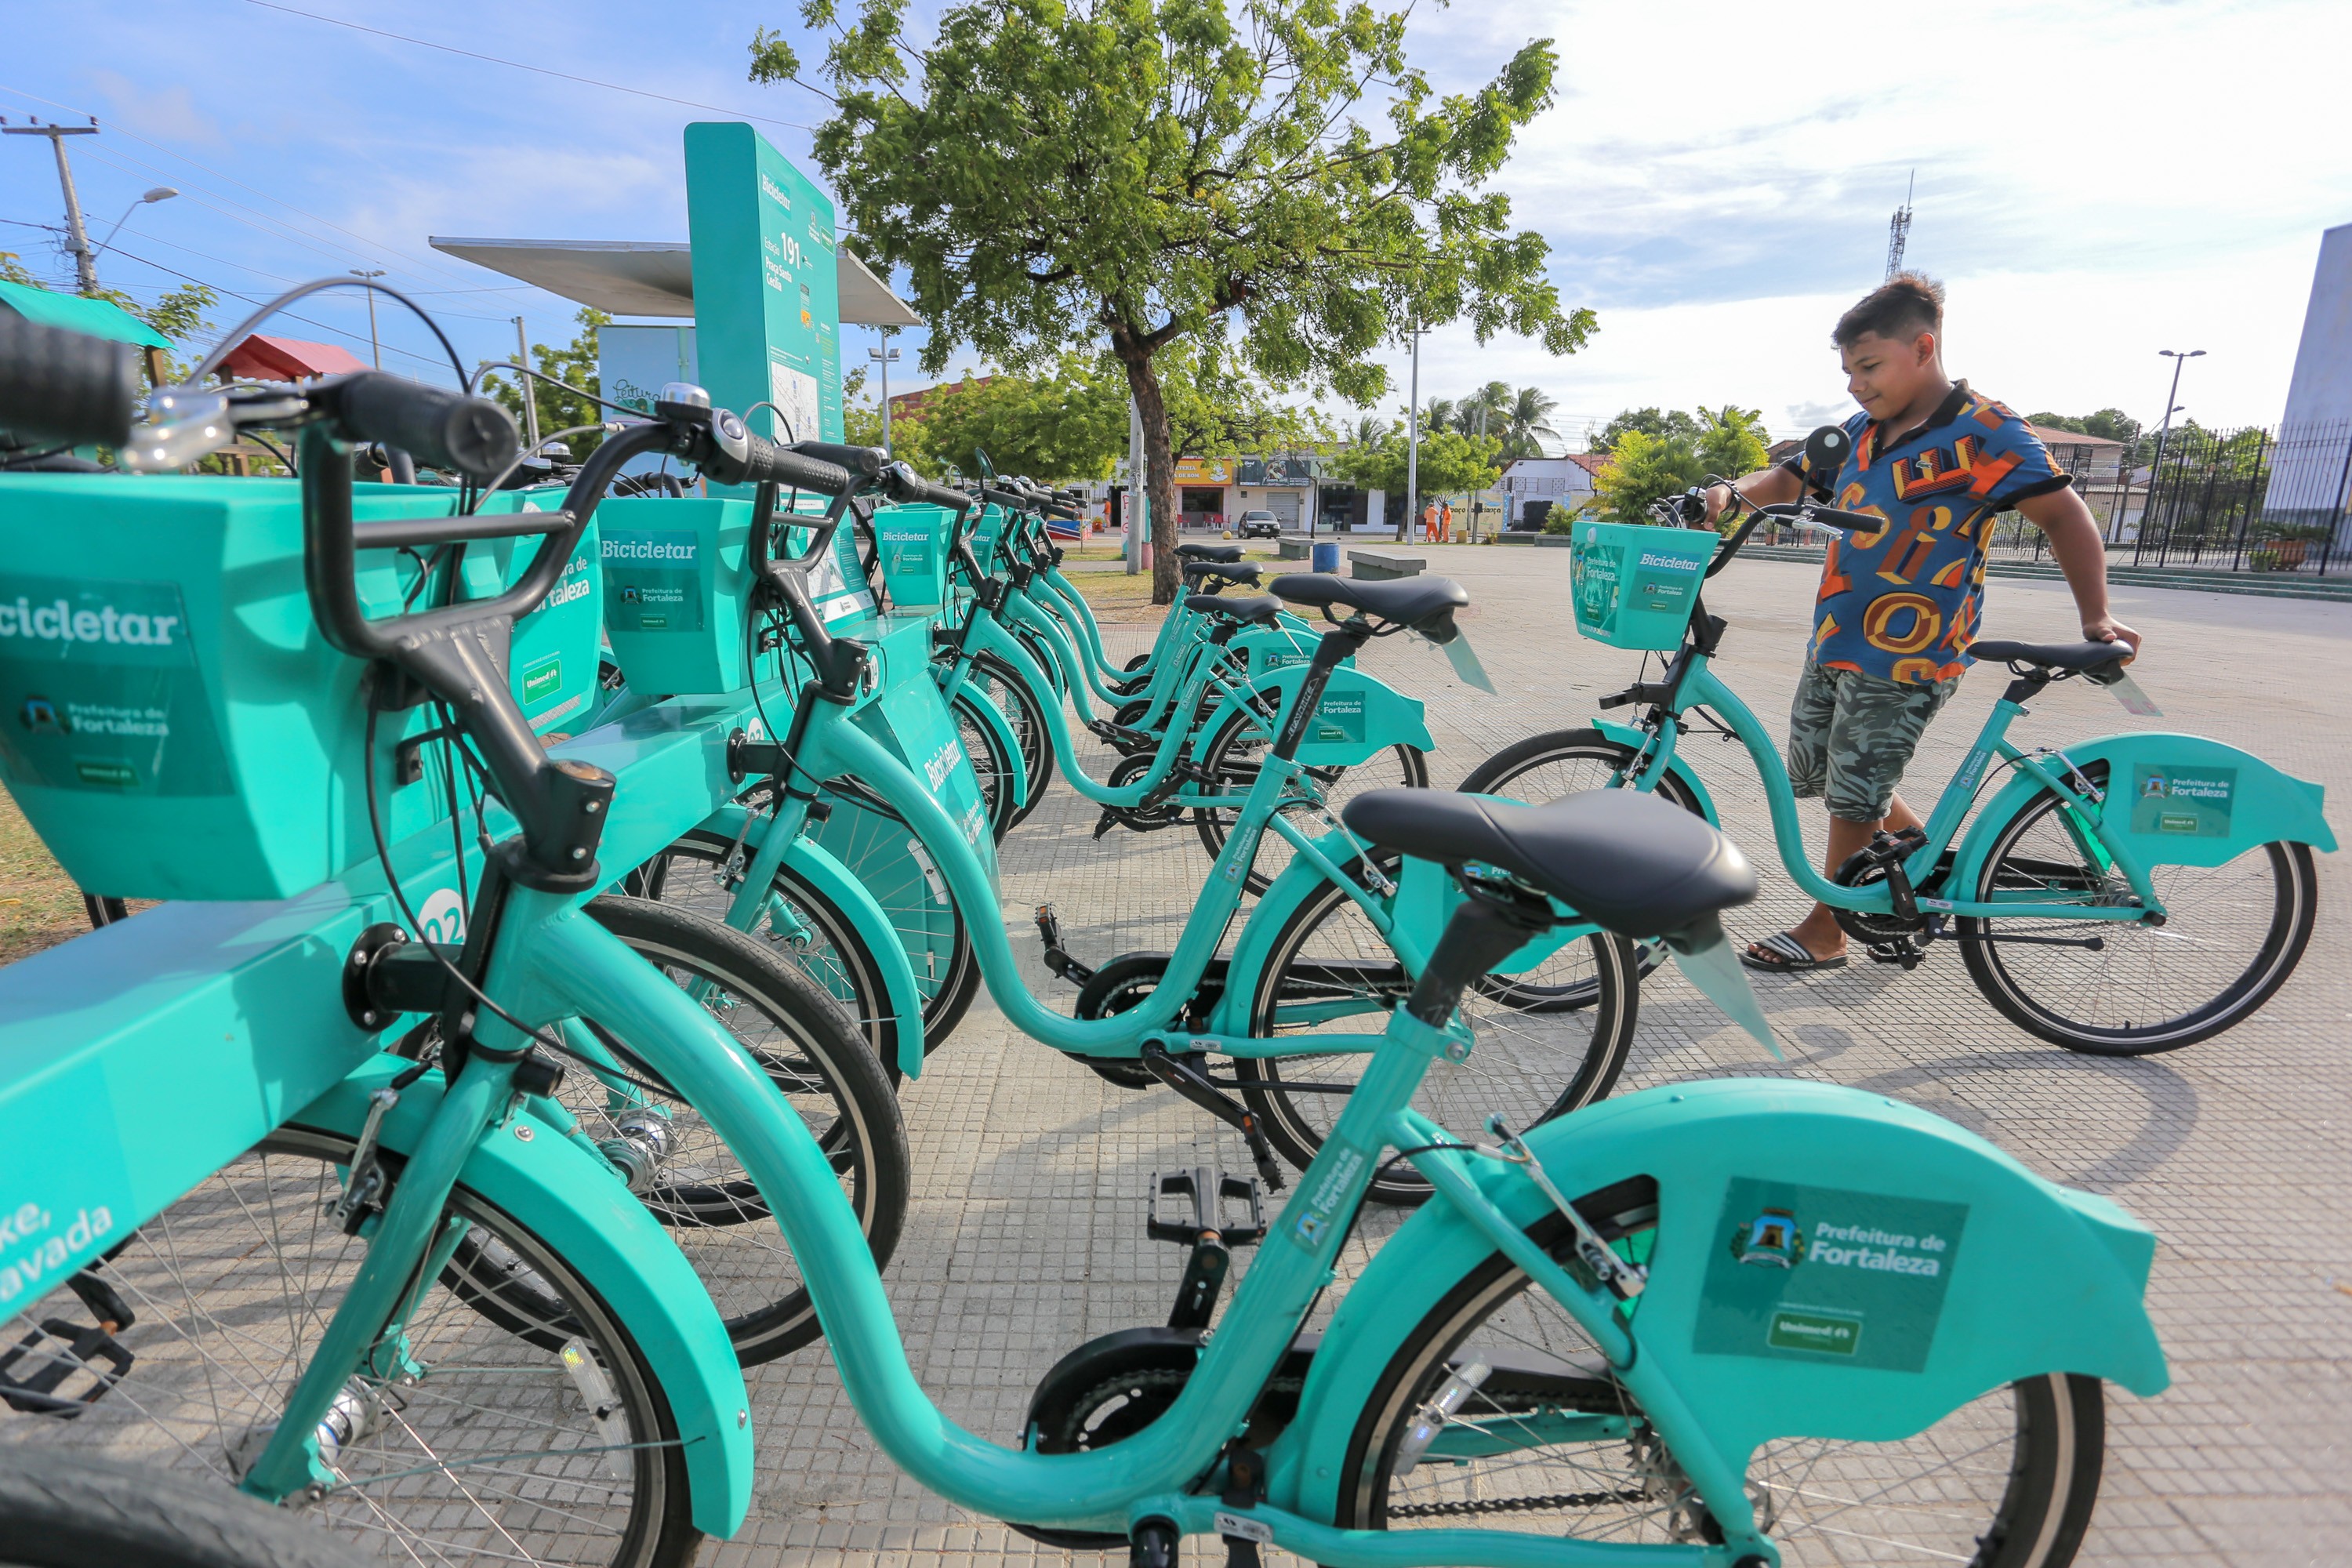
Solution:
(99, 317)
(653, 278)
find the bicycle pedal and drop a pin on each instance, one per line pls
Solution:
(1905, 953)
(1207, 1191)
(85, 1347)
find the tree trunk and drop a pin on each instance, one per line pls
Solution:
(1160, 463)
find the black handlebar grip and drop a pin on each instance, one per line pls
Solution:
(59, 385)
(865, 462)
(765, 462)
(1831, 515)
(431, 423)
(903, 485)
(1012, 498)
(1055, 509)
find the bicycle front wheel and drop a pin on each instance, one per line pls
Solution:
(463, 1443)
(2231, 935)
(72, 1510)
(1025, 712)
(1329, 969)
(1546, 1440)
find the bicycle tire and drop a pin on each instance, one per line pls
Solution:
(1026, 713)
(1577, 755)
(700, 1193)
(2048, 990)
(2033, 1512)
(822, 941)
(231, 1286)
(1522, 1072)
(1397, 766)
(992, 772)
(80, 1512)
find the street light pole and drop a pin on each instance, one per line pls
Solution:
(530, 393)
(2171, 406)
(160, 194)
(77, 237)
(1413, 443)
(886, 359)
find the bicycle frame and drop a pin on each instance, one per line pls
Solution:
(1698, 687)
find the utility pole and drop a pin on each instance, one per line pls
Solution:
(374, 352)
(886, 359)
(2156, 464)
(529, 391)
(77, 237)
(1413, 443)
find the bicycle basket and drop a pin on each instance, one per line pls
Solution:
(914, 541)
(1634, 585)
(172, 722)
(677, 577)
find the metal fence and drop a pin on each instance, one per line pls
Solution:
(2219, 501)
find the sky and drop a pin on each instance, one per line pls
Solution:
(2095, 182)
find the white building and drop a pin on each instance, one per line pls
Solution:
(1534, 487)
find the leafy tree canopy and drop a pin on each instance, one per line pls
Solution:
(1139, 173)
(1649, 422)
(1069, 425)
(1641, 468)
(1451, 463)
(1732, 443)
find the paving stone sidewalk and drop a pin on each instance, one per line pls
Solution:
(1026, 1233)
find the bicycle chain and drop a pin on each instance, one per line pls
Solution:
(1512, 1505)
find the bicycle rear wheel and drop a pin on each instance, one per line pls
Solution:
(2008, 1480)
(2232, 933)
(1025, 712)
(481, 1446)
(994, 772)
(1329, 969)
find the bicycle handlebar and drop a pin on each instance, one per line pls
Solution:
(865, 462)
(446, 430)
(62, 385)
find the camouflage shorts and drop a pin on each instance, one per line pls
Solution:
(1850, 736)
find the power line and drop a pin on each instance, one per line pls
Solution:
(376, 246)
(517, 65)
(256, 300)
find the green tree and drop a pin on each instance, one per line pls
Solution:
(1451, 463)
(1069, 425)
(2049, 421)
(1649, 422)
(1530, 407)
(574, 365)
(2112, 424)
(1732, 443)
(1141, 172)
(1641, 468)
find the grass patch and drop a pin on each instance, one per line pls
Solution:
(40, 905)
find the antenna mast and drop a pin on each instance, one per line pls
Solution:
(1899, 229)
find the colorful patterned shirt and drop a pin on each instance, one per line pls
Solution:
(1903, 602)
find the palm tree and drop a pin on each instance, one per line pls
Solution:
(1486, 411)
(1530, 409)
(1371, 430)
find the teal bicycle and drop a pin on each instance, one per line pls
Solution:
(1727, 1326)
(2119, 896)
(1336, 940)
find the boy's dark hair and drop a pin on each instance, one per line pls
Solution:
(1901, 308)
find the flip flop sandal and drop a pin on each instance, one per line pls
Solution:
(1782, 953)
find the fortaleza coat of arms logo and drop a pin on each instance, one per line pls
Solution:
(1772, 1239)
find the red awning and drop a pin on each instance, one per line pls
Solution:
(264, 358)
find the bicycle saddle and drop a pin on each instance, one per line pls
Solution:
(1256, 611)
(1631, 862)
(1225, 553)
(1408, 600)
(1204, 570)
(2053, 654)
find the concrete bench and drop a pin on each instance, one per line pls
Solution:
(1293, 547)
(1375, 565)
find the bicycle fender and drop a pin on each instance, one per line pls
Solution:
(999, 733)
(825, 872)
(579, 1207)
(1627, 735)
(2188, 801)
(1360, 716)
(1828, 1263)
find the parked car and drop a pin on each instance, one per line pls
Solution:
(1258, 525)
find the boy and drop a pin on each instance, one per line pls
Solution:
(1898, 607)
